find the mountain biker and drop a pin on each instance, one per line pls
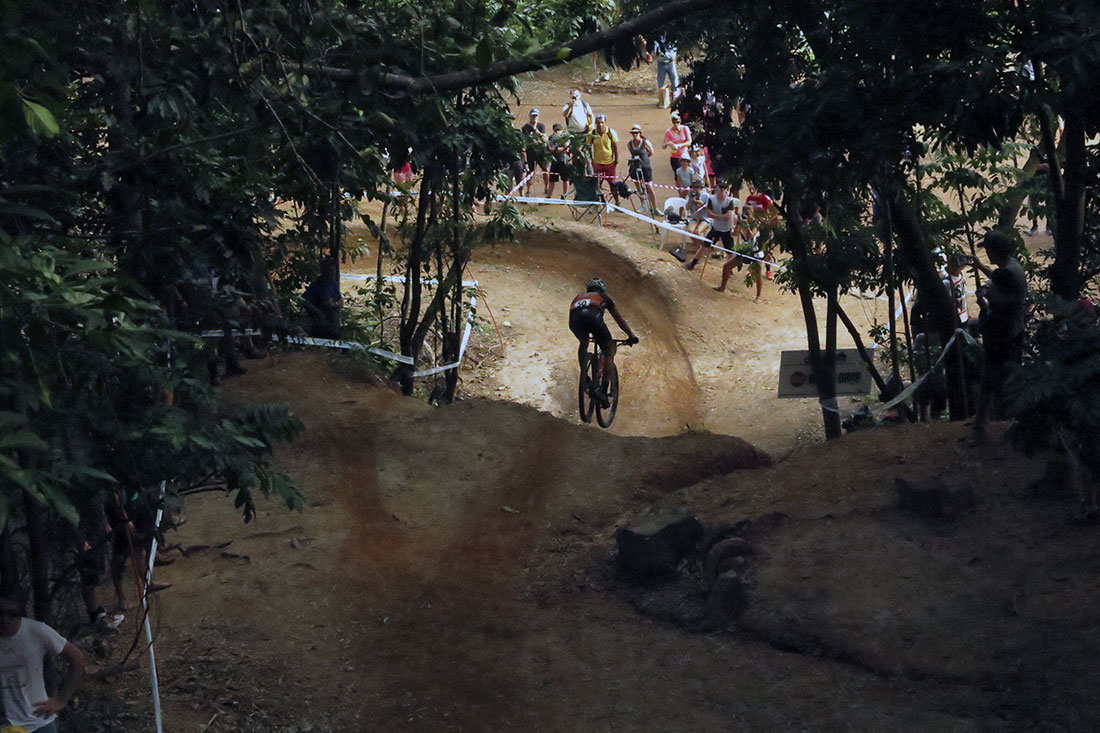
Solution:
(586, 320)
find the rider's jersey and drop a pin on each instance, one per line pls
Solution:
(598, 302)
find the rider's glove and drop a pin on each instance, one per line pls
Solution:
(632, 340)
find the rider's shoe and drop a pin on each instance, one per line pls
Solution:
(601, 395)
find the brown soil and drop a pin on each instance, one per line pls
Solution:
(454, 570)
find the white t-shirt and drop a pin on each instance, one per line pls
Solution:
(21, 683)
(714, 206)
(577, 115)
(699, 166)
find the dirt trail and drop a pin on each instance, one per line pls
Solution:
(453, 568)
(535, 280)
(707, 360)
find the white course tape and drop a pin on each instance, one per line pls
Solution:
(915, 384)
(642, 217)
(401, 358)
(520, 185)
(350, 345)
(539, 200)
(395, 279)
(461, 348)
(218, 333)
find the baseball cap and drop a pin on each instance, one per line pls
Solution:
(696, 182)
(675, 115)
(601, 117)
(533, 112)
(575, 94)
(636, 128)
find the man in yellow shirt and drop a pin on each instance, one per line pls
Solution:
(605, 153)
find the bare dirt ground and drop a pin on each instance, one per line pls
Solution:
(454, 568)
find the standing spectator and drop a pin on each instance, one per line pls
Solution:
(402, 169)
(93, 534)
(559, 161)
(723, 211)
(763, 215)
(132, 522)
(684, 177)
(699, 166)
(956, 284)
(1003, 314)
(605, 154)
(323, 301)
(1036, 200)
(578, 114)
(534, 134)
(745, 237)
(24, 645)
(665, 54)
(641, 163)
(677, 142)
(758, 201)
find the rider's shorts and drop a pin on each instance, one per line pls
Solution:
(585, 322)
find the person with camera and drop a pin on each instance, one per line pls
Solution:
(641, 163)
(1002, 321)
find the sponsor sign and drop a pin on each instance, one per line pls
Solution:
(796, 377)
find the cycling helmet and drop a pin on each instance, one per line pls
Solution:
(596, 285)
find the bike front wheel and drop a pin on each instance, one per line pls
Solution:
(606, 415)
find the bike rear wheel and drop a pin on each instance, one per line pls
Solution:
(606, 416)
(586, 403)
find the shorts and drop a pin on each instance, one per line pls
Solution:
(91, 563)
(727, 238)
(1001, 354)
(559, 169)
(606, 171)
(585, 322)
(534, 161)
(674, 163)
(641, 172)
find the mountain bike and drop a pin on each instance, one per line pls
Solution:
(593, 374)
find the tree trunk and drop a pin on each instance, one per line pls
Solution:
(826, 391)
(931, 290)
(336, 226)
(38, 552)
(887, 235)
(868, 360)
(1069, 227)
(411, 299)
(383, 249)
(822, 365)
(9, 569)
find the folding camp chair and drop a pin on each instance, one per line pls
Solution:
(587, 190)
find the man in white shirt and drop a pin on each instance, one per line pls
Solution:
(24, 644)
(578, 114)
(724, 211)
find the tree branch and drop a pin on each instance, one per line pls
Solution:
(551, 56)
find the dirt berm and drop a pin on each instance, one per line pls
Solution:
(453, 570)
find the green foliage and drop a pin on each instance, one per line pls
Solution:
(1054, 392)
(96, 392)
